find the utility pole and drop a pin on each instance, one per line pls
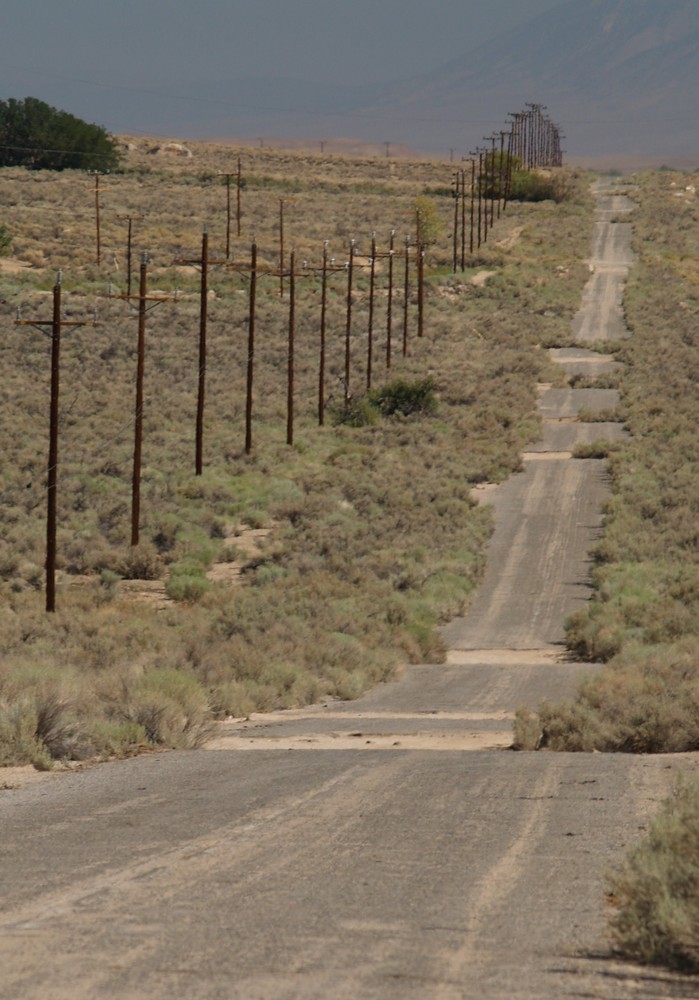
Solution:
(56, 324)
(203, 263)
(251, 349)
(455, 235)
(370, 339)
(291, 350)
(323, 317)
(281, 247)
(129, 243)
(473, 209)
(348, 325)
(228, 211)
(420, 275)
(142, 309)
(98, 243)
(239, 184)
(406, 295)
(389, 305)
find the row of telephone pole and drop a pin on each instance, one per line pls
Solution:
(403, 285)
(483, 188)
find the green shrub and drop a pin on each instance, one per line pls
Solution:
(187, 584)
(656, 892)
(526, 186)
(406, 397)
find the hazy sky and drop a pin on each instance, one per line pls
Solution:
(91, 55)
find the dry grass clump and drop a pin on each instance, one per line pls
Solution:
(656, 892)
(645, 701)
(373, 538)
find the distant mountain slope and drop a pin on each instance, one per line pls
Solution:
(619, 75)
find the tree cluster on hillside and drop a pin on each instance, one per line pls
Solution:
(35, 135)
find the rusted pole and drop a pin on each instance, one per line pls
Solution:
(290, 356)
(138, 415)
(128, 256)
(323, 319)
(129, 249)
(201, 375)
(238, 206)
(421, 290)
(455, 235)
(420, 276)
(52, 476)
(473, 206)
(485, 181)
(97, 218)
(492, 182)
(348, 326)
(480, 197)
(508, 171)
(389, 306)
(281, 247)
(370, 338)
(228, 216)
(251, 348)
(56, 325)
(463, 221)
(406, 295)
(501, 173)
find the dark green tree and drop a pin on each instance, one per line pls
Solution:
(35, 135)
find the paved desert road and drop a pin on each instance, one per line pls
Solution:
(387, 849)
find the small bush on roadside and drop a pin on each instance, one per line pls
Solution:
(655, 894)
(170, 706)
(535, 187)
(645, 701)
